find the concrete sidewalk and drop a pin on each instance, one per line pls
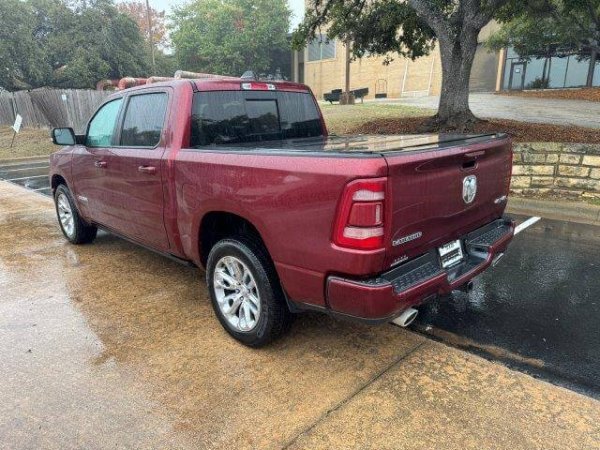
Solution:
(569, 211)
(112, 346)
(536, 110)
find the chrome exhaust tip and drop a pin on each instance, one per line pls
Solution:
(464, 289)
(406, 318)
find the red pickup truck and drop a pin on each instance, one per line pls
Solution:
(241, 178)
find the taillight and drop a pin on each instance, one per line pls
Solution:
(361, 215)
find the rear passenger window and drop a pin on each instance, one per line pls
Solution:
(232, 117)
(144, 120)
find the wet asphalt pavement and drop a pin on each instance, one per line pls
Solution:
(112, 346)
(30, 174)
(537, 311)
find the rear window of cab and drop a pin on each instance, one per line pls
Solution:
(232, 117)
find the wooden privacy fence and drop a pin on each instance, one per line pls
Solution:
(50, 107)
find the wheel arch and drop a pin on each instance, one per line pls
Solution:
(217, 225)
(56, 181)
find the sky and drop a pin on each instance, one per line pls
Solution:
(297, 7)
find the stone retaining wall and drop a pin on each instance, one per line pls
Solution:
(551, 168)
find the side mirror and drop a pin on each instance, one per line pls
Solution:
(63, 136)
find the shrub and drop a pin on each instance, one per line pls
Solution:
(538, 83)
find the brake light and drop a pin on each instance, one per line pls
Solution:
(361, 215)
(254, 86)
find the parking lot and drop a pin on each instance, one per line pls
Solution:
(111, 343)
(537, 311)
(535, 110)
(32, 174)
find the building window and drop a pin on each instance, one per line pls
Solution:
(562, 69)
(321, 48)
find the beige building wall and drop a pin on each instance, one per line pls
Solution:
(402, 77)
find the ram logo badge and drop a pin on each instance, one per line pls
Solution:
(469, 189)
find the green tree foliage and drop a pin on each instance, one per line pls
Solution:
(229, 36)
(545, 27)
(22, 61)
(108, 44)
(74, 45)
(411, 28)
(166, 64)
(372, 28)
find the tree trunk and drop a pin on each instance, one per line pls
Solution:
(347, 62)
(590, 76)
(150, 40)
(457, 56)
(457, 32)
(545, 69)
(347, 97)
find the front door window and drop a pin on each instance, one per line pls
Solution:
(102, 128)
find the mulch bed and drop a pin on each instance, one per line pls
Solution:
(520, 131)
(589, 94)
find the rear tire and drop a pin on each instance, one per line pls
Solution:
(75, 229)
(245, 292)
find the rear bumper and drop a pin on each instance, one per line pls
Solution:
(383, 298)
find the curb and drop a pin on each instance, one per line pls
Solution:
(24, 159)
(24, 189)
(579, 212)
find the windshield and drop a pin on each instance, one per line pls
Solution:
(228, 117)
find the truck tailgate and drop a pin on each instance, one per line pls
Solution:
(431, 193)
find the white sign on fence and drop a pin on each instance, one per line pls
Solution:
(17, 124)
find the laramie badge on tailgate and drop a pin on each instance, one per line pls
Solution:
(405, 239)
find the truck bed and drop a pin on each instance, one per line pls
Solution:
(426, 181)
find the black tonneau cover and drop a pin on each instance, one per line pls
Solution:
(361, 144)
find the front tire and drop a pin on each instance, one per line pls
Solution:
(72, 225)
(245, 292)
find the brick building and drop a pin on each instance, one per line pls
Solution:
(321, 65)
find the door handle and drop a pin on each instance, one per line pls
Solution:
(151, 170)
(100, 164)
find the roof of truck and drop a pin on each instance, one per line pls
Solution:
(218, 84)
(229, 84)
